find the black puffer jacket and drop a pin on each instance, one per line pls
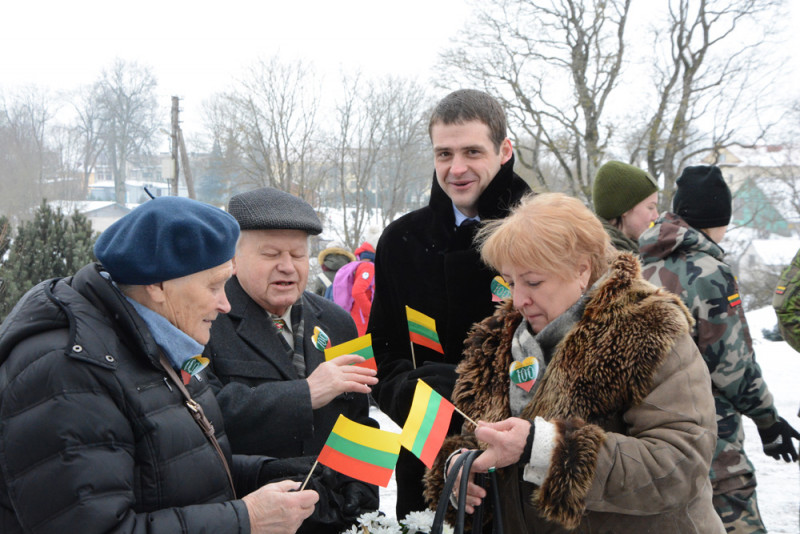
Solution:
(93, 438)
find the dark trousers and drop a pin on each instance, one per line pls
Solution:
(409, 474)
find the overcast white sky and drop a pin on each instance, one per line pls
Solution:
(196, 48)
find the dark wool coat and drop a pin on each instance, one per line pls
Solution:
(424, 262)
(266, 405)
(631, 400)
(93, 438)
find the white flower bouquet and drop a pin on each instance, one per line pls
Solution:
(378, 523)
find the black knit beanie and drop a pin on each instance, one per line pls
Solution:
(702, 197)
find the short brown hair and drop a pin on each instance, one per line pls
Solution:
(549, 232)
(467, 105)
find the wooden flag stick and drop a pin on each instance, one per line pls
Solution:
(309, 474)
(413, 358)
(465, 416)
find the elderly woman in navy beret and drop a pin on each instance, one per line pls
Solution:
(107, 422)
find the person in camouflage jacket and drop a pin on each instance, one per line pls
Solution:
(786, 302)
(680, 253)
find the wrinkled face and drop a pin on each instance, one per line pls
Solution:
(466, 161)
(541, 297)
(191, 303)
(272, 267)
(638, 219)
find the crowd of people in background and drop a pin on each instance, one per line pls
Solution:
(180, 384)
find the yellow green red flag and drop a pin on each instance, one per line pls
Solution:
(422, 330)
(362, 452)
(427, 423)
(360, 345)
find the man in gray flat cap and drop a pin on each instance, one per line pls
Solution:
(278, 395)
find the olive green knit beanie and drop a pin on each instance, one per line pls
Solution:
(618, 187)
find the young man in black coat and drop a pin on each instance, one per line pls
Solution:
(427, 260)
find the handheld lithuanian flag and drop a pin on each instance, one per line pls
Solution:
(362, 452)
(427, 423)
(422, 330)
(360, 345)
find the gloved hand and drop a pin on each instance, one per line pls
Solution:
(283, 468)
(777, 440)
(359, 498)
(440, 376)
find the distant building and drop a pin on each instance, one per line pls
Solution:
(103, 190)
(768, 255)
(100, 213)
(765, 182)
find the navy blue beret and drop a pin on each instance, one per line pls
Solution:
(272, 209)
(166, 238)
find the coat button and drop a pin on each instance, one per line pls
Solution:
(109, 358)
(77, 348)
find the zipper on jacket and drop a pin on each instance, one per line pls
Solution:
(150, 385)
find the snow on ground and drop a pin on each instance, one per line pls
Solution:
(778, 482)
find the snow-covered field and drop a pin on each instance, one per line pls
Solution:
(778, 482)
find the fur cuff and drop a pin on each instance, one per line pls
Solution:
(562, 495)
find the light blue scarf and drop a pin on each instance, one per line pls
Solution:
(175, 343)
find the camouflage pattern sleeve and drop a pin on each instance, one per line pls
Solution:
(708, 288)
(786, 302)
(723, 337)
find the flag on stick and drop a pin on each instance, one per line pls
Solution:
(422, 330)
(427, 423)
(362, 452)
(360, 345)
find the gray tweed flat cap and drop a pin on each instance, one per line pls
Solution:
(272, 209)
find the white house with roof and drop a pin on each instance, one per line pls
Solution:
(771, 254)
(100, 213)
(765, 182)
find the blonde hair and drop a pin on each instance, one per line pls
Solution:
(550, 233)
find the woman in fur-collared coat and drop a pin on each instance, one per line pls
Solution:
(595, 404)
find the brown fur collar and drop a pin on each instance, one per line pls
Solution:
(603, 365)
(606, 362)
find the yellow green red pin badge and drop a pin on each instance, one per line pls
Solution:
(320, 339)
(524, 373)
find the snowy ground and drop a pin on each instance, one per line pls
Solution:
(778, 482)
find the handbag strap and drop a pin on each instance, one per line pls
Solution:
(444, 499)
(464, 463)
(199, 416)
(469, 457)
(497, 518)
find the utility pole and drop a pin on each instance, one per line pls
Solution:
(187, 172)
(177, 143)
(174, 145)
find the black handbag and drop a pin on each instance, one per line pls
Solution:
(464, 463)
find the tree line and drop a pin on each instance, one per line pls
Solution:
(653, 83)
